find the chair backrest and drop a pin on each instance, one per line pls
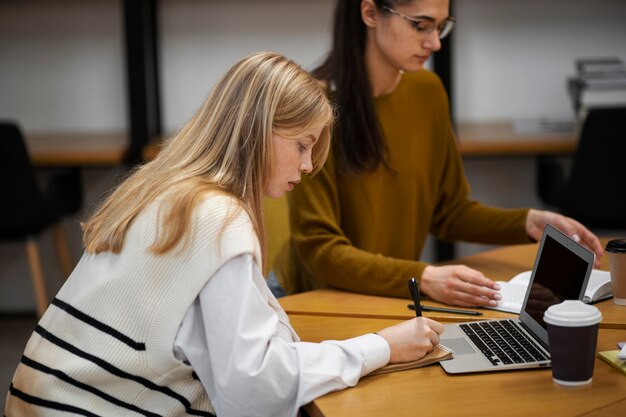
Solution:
(22, 210)
(18, 183)
(276, 213)
(595, 192)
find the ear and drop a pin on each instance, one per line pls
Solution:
(369, 13)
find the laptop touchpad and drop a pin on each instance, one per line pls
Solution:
(459, 346)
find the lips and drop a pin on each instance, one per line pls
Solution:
(292, 184)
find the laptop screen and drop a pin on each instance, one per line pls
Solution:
(561, 272)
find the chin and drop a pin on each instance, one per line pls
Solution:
(413, 67)
(274, 194)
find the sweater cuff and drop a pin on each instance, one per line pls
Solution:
(375, 351)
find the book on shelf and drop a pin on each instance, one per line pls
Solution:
(439, 353)
(612, 81)
(543, 125)
(599, 83)
(594, 98)
(599, 66)
(513, 291)
(596, 93)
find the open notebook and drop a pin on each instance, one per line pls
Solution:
(513, 292)
(440, 353)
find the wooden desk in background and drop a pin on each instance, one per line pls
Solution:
(499, 264)
(76, 149)
(484, 139)
(501, 139)
(475, 139)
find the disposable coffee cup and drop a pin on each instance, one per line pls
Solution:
(616, 249)
(572, 335)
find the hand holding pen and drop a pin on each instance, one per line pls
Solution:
(412, 339)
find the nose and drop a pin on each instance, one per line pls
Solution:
(432, 41)
(306, 165)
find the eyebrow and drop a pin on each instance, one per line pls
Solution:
(432, 19)
(429, 18)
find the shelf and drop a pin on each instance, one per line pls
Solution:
(500, 139)
(84, 149)
(497, 139)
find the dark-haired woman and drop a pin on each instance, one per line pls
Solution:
(394, 174)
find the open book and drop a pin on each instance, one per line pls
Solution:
(440, 353)
(513, 291)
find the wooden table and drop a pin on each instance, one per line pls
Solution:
(76, 149)
(430, 391)
(483, 139)
(331, 314)
(500, 138)
(330, 302)
(499, 264)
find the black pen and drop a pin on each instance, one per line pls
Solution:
(415, 296)
(447, 310)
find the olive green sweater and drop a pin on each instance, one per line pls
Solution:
(365, 232)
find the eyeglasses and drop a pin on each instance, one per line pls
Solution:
(427, 25)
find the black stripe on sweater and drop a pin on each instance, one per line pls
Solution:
(49, 404)
(120, 373)
(98, 324)
(64, 377)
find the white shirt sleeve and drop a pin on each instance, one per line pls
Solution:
(239, 342)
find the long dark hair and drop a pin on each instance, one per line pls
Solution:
(359, 143)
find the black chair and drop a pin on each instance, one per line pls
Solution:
(26, 210)
(594, 193)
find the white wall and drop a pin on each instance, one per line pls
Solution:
(512, 57)
(62, 61)
(200, 40)
(61, 65)
(62, 68)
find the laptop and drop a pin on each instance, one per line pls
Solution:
(561, 271)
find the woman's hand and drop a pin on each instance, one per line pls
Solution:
(537, 219)
(412, 339)
(459, 285)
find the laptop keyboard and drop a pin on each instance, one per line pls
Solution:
(503, 343)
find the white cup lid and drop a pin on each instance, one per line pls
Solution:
(572, 313)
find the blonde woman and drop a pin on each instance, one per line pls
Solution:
(167, 312)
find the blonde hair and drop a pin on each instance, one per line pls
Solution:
(226, 147)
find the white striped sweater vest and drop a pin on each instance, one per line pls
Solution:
(104, 346)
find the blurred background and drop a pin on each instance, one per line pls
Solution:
(67, 69)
